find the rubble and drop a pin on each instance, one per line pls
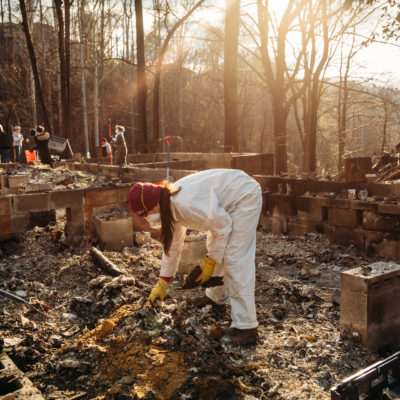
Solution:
(386, 167)
(102, 339)
(36, 177)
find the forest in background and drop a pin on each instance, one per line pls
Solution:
(216, 76)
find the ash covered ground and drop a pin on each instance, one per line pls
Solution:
(100, 339)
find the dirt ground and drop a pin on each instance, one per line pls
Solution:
(98, 338)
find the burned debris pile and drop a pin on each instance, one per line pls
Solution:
(386, 167)
(20, 178)
(102, 339)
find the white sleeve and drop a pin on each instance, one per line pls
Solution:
(169, 264)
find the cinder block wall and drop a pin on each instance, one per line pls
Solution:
(372, 226)
(369, 225)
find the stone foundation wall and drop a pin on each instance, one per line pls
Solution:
(370, 225)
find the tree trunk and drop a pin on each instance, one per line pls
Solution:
(96, 101)
(157, 70)
(141, 76)
(32, 57)
(232, 19)
(32, 94)
(83, 78)
(67, 6)
(32, 97)
(384, 128)
(311, 144)
(63, 83)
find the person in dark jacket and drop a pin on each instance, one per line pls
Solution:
(120, 143)
(41, 138)
(5, 144)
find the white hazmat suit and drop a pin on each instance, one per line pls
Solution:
(226, 203)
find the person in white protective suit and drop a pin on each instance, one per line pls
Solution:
(227, 203)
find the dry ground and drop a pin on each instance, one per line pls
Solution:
(101, 340)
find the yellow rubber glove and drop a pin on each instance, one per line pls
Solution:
(159, 291)
(207, 270)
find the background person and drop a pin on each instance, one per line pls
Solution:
(17, 143)
(4, 146)
(41, 138)
(106, 148)
(120, 143)
(227, 203)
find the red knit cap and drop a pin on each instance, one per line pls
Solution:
(143, 197)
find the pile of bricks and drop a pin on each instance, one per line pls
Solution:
(18, 184)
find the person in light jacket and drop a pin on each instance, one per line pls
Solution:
(120, 143)
(226, 203)
(17, 143)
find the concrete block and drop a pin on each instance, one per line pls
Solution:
(66, 199)
(337, 203)
(6, 190)
(123, 194)
(370, 303)
(346, 236)
(298, 227)
(46, 186)
(37, 187)
(75, 225)
(5, 206)
(18, 223)
(41, 218)
(281, 204)
(17, 180)
(329, 231)
(32, 187)
(32, 202)
(4, 180)
(312, 208)
(389, 209)
(324, 228)
(115, 233)
(98, 198)
(377, 222)
(5, 227)
(363, 205)
(279, 224)
(381, 244)
(347, 218)
(193, 253)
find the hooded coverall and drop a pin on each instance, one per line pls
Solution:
(226, 203)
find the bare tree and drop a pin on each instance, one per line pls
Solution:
(141, 76)
(32, 57)
(275, 72)
(232, 19)
(83, 78)
(158, 68)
